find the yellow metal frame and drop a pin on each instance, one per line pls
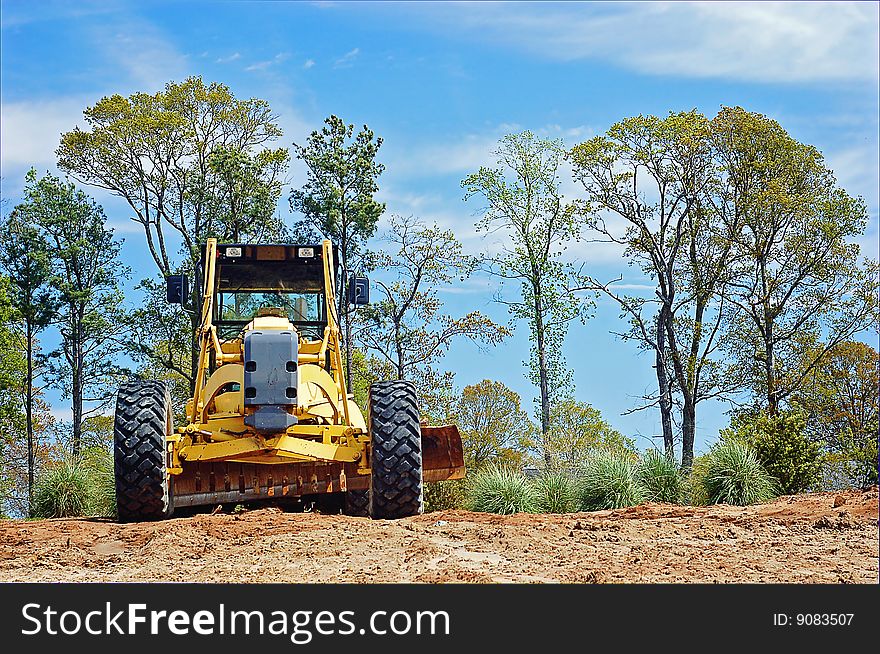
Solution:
(334, 432)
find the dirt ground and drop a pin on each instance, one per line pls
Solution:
(822, 537)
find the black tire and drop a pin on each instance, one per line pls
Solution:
(396, 479)
(144, 490)
(357, 503)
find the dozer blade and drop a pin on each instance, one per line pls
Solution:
(442, 454)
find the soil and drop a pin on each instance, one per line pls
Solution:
(815, 538)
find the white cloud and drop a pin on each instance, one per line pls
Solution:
(226, 60)
(756, 41)
(347, 59)
(308, 63)
(30, 131)
(263, 65)
(148, 58)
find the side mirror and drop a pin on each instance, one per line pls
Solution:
(358, 291)
(176, 289)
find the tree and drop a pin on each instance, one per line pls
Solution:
(84, 256)
(192, 159)
(659, 176)
(338, 198)
(406, 328)
(577, 430)
(840, 399)
(24, 257)
(525, 205)
(12, 377)
(781, 445)
(494, 427)
(797, 273)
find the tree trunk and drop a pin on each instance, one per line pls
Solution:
(542, 372)
(770, 371)
(29, 416)
(77, 397)
(688, 430)
(663, 385)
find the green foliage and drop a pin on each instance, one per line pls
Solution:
(840, 399)
(734, 475)
(781, 445)
(405, 325)
(494, 428)
(659, 477)
(76, 487)
(62, 491)
(445, 495)
(798, 272)
(524, 204)
(556, 493)
(338, 197)
(503, 490)
(97, 462)
(608, 481)
(694, 482)
(577, 430)
(190, 158)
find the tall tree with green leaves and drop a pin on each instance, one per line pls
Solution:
(192, 161)
(525, 207)
(338, 199)
(405, 327)
(797, 271)
(653, 187)
(24, 258)
(87, 272)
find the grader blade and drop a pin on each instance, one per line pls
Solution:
(228, 482)
(442, 453)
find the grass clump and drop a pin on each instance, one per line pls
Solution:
(734, 475)
(445, 495)
(98, 463)
(608, 481)
(659, 477)
(502, 490)
(76, 487)
(62, 491)
(556, 493)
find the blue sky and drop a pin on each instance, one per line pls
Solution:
(441, 83)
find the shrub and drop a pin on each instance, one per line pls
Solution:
(608, 481)
(77, 487)
(443, 495)
(694, 482)
(734, 475)
(98, 464)
(659, 477)
(556, 493)
(781, 445)
(62, 491)
(502, 490)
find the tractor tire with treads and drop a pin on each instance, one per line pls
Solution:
(357, 503)
(396, 479)
(144, 490)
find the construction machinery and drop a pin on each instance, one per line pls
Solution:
(271, 416)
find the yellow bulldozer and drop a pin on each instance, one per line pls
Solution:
(271, 416)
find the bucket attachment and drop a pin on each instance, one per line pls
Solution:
(442, 453)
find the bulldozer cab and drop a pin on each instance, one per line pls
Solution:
(282, 281)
